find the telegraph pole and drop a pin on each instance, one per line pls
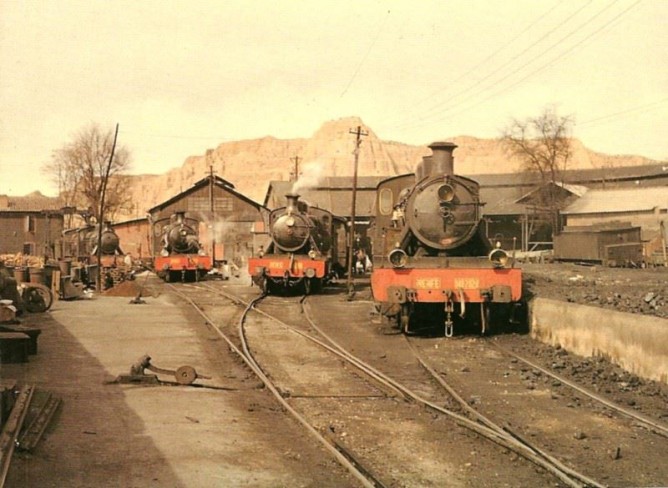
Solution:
(358, 141)
(105, 180)
(212, 208)
(296, 161)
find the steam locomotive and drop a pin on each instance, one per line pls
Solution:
(308, 248)
(182, 256)
(81, 243)
(431, 258)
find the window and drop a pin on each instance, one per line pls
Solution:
(385, 201)
(203, 204)
(30, 223)
(29, 248)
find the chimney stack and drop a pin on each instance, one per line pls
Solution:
(441, 161)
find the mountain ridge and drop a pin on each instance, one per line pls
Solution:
(251, 164)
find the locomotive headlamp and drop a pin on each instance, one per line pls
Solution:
(290, 222)
(312, 254)
(398, 258)
(309, 272)
(164, 253)
(498, 257)
(446, 193)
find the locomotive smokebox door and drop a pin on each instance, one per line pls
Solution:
(501, 294)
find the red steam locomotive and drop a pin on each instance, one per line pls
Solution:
(431, 259)
(182, 257)
(308, 247)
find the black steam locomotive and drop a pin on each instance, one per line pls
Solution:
(81, 243)
(182, 256)
(308, 247)
(431, 258)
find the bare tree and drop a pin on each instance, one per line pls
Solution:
(79, 168)
(543, 144)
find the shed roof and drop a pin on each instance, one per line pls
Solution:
(333, 193)
(577, 176)
(620, 200)
(218, 181)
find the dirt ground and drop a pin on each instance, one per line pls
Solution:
(113, 435)
(643, 291)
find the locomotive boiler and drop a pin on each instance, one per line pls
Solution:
(182, 256)
(431, 258)
(82, 242)
(307, 249)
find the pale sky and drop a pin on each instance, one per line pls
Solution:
(182, 77)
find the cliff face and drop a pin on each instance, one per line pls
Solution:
(250, 165)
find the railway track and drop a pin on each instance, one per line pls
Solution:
(480, 425)
(239, 345)
(598, 442)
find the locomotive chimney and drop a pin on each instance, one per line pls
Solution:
(441, 161)
(292, 200)
(180, 217)
(419, 169)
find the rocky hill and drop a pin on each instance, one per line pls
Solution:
(251, 164)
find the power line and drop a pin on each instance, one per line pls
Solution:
(366, 55)
(512, 60)
(550, 63)
(607, 118)
(492, 55)
(172, 136)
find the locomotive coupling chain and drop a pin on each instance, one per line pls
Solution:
(449, 308)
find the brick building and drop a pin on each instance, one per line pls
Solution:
(134, 237)
(31, 225)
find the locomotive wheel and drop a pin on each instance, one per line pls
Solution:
(37, 298)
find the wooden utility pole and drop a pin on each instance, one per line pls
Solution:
(105, 179)
(212, 207)
(358, 141)
(296, 161)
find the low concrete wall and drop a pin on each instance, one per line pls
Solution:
(637, 343)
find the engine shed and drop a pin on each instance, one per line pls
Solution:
(231, 225)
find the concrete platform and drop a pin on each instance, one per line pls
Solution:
(637, 343)
(129, 435)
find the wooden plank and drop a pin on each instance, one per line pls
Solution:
(55, 284)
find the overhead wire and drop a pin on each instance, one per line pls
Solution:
(604, 119)
(493, 54)
(366, 55)
(429, 118)
(437, 106)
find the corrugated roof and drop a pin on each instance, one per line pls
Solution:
(502, 200)
(578, 176)
(622, 200)
(33, 202)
